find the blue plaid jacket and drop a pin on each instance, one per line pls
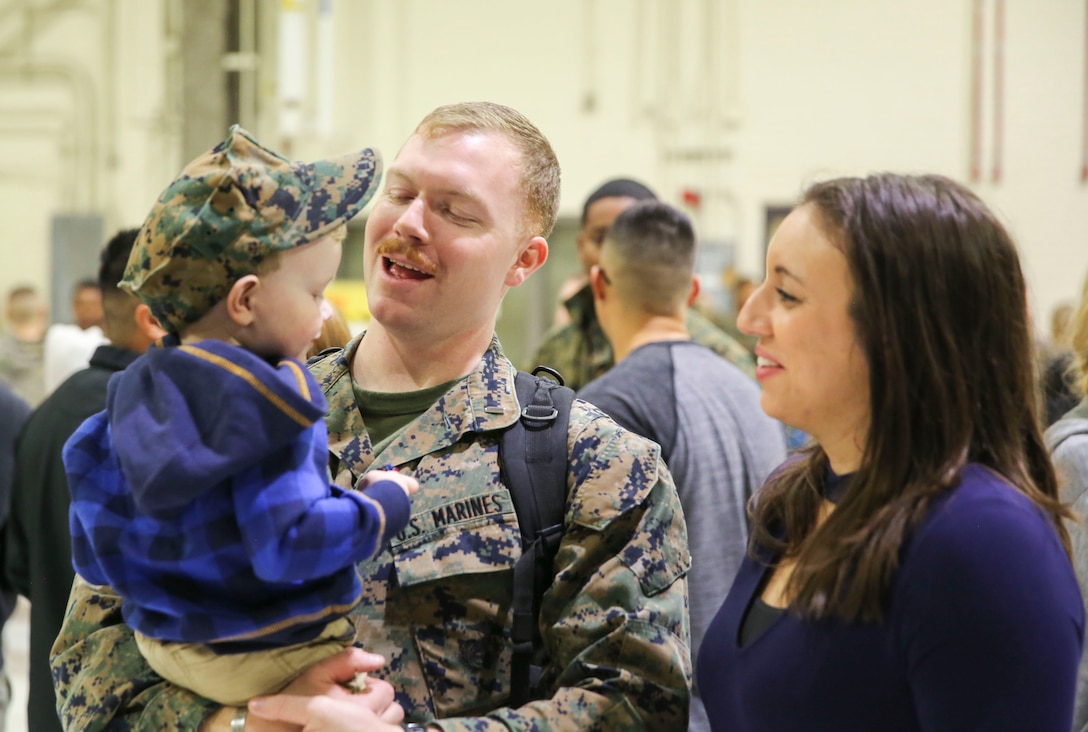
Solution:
(201, 495)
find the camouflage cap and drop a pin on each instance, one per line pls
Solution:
(228, 210)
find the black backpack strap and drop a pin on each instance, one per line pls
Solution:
(533, 454)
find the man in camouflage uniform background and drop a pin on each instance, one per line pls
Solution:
(427, 389)
(579, 350)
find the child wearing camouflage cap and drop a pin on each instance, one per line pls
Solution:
(201, 493)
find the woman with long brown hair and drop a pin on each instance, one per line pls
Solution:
(910, 569)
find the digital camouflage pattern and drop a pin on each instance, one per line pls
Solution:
(436, 603)
(580, 351)
(102, 681)
(229, 209)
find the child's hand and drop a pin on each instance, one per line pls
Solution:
(407, 482)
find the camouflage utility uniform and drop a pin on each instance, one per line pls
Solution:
(436, 603)
(580, 351)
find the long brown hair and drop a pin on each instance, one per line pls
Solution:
(940, 308)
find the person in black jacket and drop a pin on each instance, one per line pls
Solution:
(37, 555)
(13, 413)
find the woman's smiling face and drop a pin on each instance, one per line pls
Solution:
(814, 374)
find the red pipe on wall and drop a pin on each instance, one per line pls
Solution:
(1084, 120)
(975, 141)
(999, 89)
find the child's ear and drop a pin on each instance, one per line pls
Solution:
(148, 323)
(239, 299)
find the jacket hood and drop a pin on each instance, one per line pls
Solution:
(186, 418)
(1073, 422)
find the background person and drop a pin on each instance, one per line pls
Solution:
(579, 349)
(69, 346)
(36, 544)
(907, 568)
(1061, 388)
(21, 343)
(1067, 440)
(462, 218)
(702, 410)
(740, 287)
(87, 310)
(13, 413)
(335, 332)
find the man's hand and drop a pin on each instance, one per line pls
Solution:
(318, 700)
(355, 713)
(331, 676)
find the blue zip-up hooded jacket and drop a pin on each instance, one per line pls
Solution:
(201, 495)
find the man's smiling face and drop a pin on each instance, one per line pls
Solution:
(443, 241)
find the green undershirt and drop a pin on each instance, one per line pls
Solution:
(386, 414)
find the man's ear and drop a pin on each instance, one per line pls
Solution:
(597, 283)
(239, 299)
(532, 258)
(148, 324)
(695, 289)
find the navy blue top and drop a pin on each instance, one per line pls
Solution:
(201, 495)
(983, 632)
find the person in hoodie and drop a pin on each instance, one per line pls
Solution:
(1067, 442)
(201, 493)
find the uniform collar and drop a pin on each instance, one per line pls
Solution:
(483, 401)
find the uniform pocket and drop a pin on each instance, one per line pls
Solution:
(457, 585)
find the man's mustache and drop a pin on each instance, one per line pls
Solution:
(395, 247)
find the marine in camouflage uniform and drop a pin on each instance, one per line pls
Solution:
(580, 352)
(436, 603)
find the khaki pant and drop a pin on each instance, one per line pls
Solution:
(233, 679)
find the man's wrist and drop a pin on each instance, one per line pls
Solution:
(218, 721)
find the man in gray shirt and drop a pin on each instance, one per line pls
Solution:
(701, 409)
